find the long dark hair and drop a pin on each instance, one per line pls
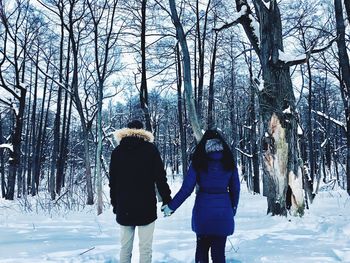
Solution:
(200, 157)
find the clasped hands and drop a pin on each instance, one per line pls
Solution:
(166, 210)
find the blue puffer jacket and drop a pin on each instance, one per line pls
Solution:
(216, 201)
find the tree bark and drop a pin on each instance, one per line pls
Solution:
(310, 180)
(61, 158)
(345, 74)
(101, 53)
(63, 142)
(79, 107)
(2, 162)
(57, 121)
(187, 72)
(232, 100)
(280, 144)
(39, 141)
(15, 156)
(253, 130)
(211, 121)
(33, 170)
(182, 129)
(347, 8)
(143, 88)
(99, 148)
(201, 52)
(26, 148)
(18, 51)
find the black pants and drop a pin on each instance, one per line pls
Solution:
(217, 246)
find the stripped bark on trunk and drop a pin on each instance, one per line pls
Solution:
(281, 165)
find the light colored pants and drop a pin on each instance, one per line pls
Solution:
(145, 242)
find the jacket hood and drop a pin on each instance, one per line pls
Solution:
(137, 133)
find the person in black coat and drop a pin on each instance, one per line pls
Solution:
(136, 169)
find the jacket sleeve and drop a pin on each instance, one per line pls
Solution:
(112, 181)
(186, 189)
(235, 188)
(160, 179)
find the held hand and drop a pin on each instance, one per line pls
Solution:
(166, 210)
(162, 208)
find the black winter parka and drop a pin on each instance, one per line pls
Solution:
(135, 169)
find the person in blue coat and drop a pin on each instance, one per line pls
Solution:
(214, 171)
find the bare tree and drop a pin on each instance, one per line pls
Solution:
(201, 41)
(143, 87)
(104, 41)
(180, 107)
(187, 72)
(345, 76)
(15, 42)
(277, 105)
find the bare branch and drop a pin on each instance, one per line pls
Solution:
(327, 117)
(243, 17)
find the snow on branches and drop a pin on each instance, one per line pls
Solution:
(235, 18)
(335, 121)
(7, 146)
(292, 60)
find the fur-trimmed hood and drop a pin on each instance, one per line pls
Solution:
(138, 133)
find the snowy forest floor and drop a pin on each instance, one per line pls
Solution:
(322, 235)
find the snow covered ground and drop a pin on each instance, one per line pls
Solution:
(322, 235)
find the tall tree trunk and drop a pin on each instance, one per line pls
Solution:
(348, 151)
(253, 131)
(39, 140)
(99, 148)
(66, 141)
(280, 144)
(232, 100)
(85, 128)
(102, 74)
(309, 182)
(63, 152)
(21, 170)
(143, 88)
(201, 52)
(182, 129)
(62, 156)
(16, 138)
(2, 162)
(327, 147)
(57, 122)
(345, 72)
(78, 104)
(84, 125)
(211, 121)
(26, 148)
(195, 72)
(187, 72)
(34, 132)
(41, 154)
(347, 8)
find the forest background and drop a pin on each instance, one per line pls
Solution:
(273, 76)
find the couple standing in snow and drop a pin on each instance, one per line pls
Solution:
(135, 168)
